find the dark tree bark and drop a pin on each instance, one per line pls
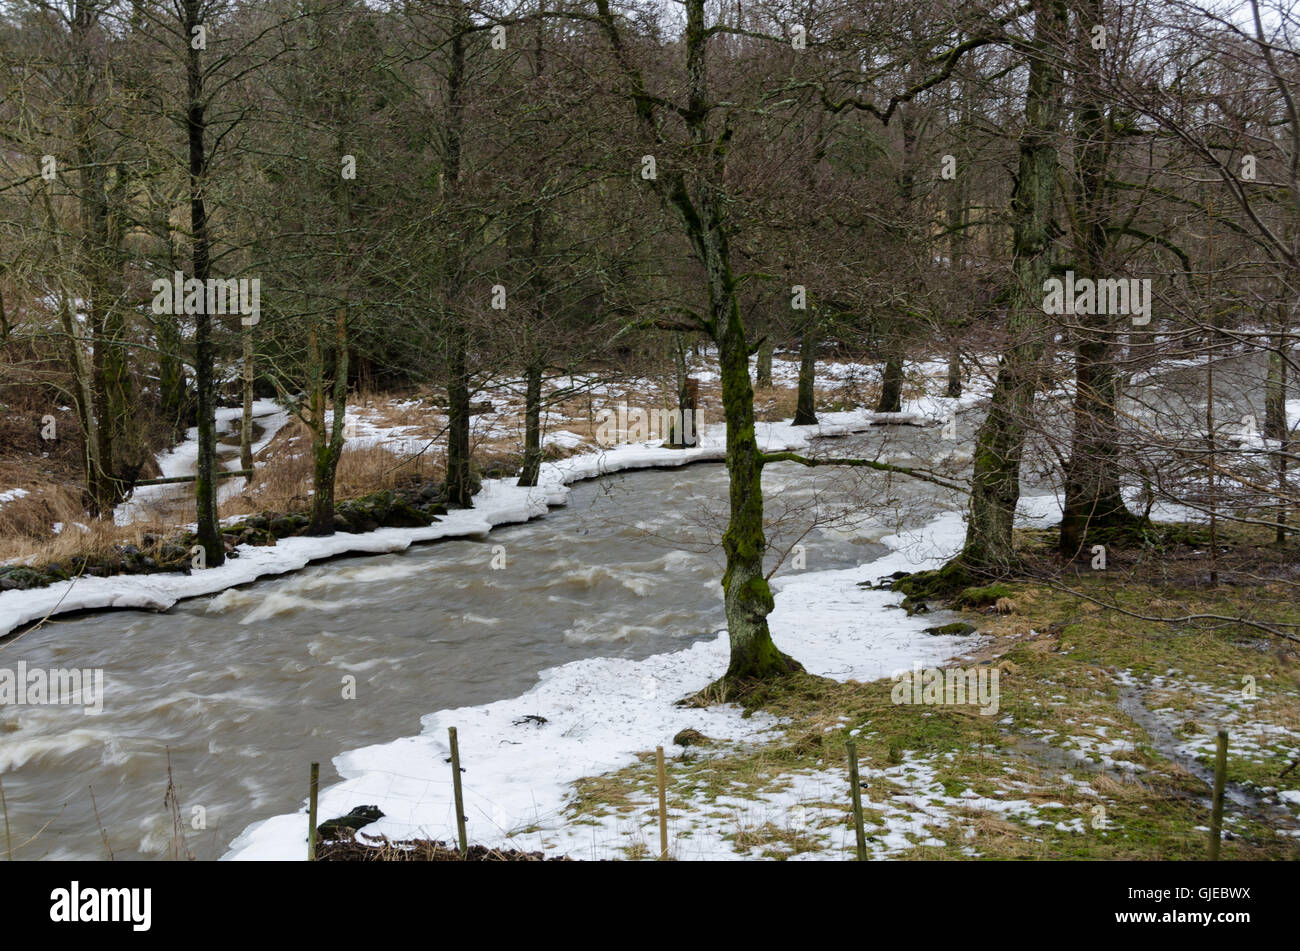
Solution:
(763, 366)
(805, 413)
(999, 445)
(205, 485)
(701, 204)
(327, 445)
(532, 425)
(891, 383)
(458, 487)
(1092, 492)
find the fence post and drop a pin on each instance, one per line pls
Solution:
(663, 805)
(460, 799)
(311, 812)
(857, 800)
(1220, 779)
(9, 842)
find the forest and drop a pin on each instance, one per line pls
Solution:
(286, 281)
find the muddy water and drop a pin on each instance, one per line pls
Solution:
(246, 688)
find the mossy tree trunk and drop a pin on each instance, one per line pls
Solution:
(999, 445)
(699, 199)
(747, 597)
(1092, 491)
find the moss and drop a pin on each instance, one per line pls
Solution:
(938, 584)
(981, 597)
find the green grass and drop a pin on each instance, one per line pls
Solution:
(1059, 656)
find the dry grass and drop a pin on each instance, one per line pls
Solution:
(775, 403)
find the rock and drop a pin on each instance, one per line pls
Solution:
(914, 606)
(22, 578)
(358, 817)
(956, 629)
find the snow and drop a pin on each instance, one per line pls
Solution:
(10, 495)
(183, 459)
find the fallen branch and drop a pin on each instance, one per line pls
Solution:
(1180, 620)
(923, 474)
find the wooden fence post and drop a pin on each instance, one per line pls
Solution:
(311, 812)
(460, 799)
(1220, 780)
(857, 800)
(663, 805)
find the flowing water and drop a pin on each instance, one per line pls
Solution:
(246, 688)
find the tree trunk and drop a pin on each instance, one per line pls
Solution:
(532, 425)
(747, 597)
(205, 483)
(763, 368)
(1092, 492)
(995, 483)
(171, 377)
(458, 486)
(700, 202)
(1275, 423)
(246, 420)
(327, 447)
(746, 594)
(891, 383)
(805, 413)
(459, 483)
(687, 399)
(954, 373)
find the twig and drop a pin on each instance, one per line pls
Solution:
(103, 833)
